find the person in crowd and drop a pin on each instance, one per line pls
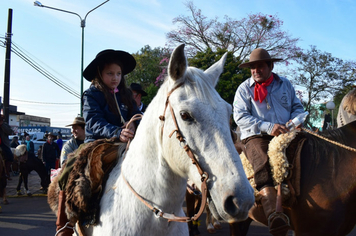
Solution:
(138, 93)
(71, 145)
(14, 142)
(29, 144)
(50, 153)
(39, 152)
(263, 104)
(327, 122)
(8, 157)
(59, 141)
(108, 105)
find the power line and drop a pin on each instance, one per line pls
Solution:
(39, 61)
(55, 103)
(46, 73)
(41, 70)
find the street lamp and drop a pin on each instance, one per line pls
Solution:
(82, 24)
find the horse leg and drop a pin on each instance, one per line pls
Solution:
(192, 203)
(41, 171)
(209, 221)
(240, 228)
(25, 181)
(4, 198)
(19, 183)
(215, 223)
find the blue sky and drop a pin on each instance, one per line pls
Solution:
(53, 38)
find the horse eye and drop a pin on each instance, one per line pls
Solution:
(185, 116)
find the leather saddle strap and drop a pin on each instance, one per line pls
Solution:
(204, 175)
(279, 208)
(158, 212)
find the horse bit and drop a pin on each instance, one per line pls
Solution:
(204, 175)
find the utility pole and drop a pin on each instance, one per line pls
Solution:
(7, 68)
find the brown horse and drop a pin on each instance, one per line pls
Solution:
(327, 201)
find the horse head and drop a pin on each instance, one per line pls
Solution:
(187, 121)
(199, 117)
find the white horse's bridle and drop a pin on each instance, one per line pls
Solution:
(204, 175)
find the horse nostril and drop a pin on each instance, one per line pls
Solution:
(231, 206)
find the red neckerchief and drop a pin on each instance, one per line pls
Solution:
(260, 92)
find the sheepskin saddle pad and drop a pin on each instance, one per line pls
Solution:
(284, 158)
(86, 180)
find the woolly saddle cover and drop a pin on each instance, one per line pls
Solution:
(86, 180)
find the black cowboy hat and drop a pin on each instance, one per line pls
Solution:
(127, 60)
(50, 134)
(137, 87)
(259, 54)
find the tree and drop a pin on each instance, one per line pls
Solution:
(231, 77)
(147, 69)
(237, 36)
(322, 75)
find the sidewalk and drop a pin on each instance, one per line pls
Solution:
(34, 185)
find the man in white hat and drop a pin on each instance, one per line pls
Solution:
(263, 104)
(78, 131)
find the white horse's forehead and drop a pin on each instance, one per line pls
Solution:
(188, 97)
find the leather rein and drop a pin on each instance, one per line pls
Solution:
(204, 175)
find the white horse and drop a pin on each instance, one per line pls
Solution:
(157, 167)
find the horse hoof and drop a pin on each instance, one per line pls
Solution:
(211, 229)
(217, 225)
(5, 202)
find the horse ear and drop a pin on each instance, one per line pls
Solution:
(215, 70)
(178, 63)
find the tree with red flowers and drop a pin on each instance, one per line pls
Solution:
(237, 36)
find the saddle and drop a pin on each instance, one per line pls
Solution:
(86, 181)
(284, 157)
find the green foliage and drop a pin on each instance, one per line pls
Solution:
(231, 77)
(147, 70)
(151, 91)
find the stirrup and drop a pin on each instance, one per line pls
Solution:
(68, 226)
(283, 229)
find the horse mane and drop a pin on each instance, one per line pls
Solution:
(324, 154)
(350, 102)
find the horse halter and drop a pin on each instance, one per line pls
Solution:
(204, 175)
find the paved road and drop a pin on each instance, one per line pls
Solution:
(28, 216)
